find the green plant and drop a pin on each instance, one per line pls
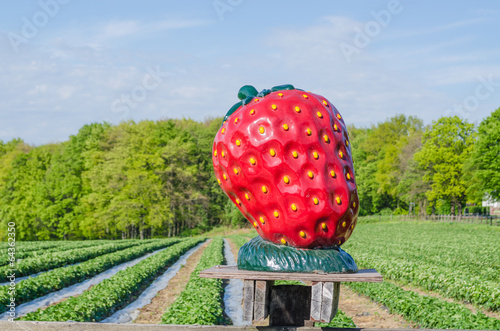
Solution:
(201, 302)
(114, 293)
(59, 278)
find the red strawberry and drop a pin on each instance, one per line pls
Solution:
(283, 157)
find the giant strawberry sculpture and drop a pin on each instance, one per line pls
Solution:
(283, 157)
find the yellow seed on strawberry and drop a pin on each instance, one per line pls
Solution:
(302, 234)
(324, 227)
(315, 200)
(238, 202)
(286, 179)
(344, 224)
(261, 219)
(332, 173)
(325, 137)
(319, 114)
(252, 161)
(247, 197)
(276, 214)
(262, 130)
(339, 117)
(236, 120)
(337, 199)
(264, 189)
(297, 109)
(341, 155)
(252, 112)
(295, 154)
(238, 142)
(224, 176)
(215, 153)
(308, 131)
(283, 241)
(315, 155)
(294, 207)
(348, 176)
(335, 127)
(223, 130)
(305, 96)
(274, 107)
(325, 103)
(310, 174)
(285, 127)
(236, 171)
(272, 152)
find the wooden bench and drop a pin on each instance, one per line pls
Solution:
(290, 305)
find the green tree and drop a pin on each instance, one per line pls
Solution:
(446, 145)
(411, 187)
(483, 166)
(377, 162)
(20, 198)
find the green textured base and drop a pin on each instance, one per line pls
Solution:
(261, 255)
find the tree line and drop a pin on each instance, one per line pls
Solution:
(132, 180)
(403, 166)
(155, 178)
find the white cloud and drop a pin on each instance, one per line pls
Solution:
(102, 34)
(119, 29)
(51, 91)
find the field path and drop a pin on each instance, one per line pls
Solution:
(153, 312)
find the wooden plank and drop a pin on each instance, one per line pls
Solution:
(330, 301)
(232, 272)
(248, 299)
(87, 326)
(261, 300)
(316, 295)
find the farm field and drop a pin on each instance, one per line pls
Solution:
(437, 275)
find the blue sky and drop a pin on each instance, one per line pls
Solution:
(65, 63)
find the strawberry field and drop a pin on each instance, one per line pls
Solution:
(437, 275)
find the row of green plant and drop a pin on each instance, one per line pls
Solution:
(44, 262)
(114, 293)
(57, 279)
(465, 246)
(36, 250)
(29, 246)
(452, 259)
(464, 265)
(341, 320)
(451, 283)
(427, 311)
(201, 302)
